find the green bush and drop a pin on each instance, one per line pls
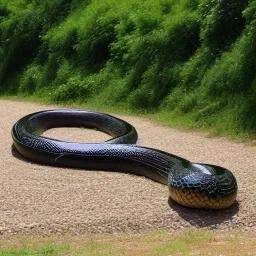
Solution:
(64, 72)
(223, 22)
(30, 80)
(75, 89)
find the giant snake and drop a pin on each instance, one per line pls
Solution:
(190, 184)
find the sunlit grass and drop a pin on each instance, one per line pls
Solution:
(40, 250)
(156, 243)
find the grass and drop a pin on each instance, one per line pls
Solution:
(158, 242)
(165, 118)
(217, 127)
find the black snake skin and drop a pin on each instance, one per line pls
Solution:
(190, 184)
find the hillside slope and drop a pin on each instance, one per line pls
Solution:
(194, 60)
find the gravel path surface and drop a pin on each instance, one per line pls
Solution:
(36, 199)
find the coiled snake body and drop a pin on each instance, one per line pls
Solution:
(190, 184)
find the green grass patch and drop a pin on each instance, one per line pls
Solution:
(176, 247)
(51, 246)
(158, 242)
(40, 250)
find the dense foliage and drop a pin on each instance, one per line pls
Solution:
(195, 59)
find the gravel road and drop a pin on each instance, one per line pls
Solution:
(37, 199)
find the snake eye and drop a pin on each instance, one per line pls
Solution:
(185, 163)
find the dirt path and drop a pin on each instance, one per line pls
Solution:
(36, 199)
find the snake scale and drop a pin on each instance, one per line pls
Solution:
(190, 184)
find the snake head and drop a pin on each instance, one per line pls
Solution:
(202, 186)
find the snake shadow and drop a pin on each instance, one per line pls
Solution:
(204, 218)
(17, 155)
